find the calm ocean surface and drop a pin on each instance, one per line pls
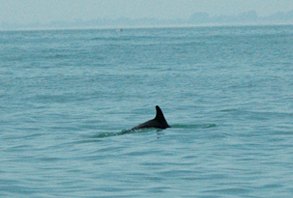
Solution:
(227, 92)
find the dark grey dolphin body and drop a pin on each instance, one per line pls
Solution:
(158, 122)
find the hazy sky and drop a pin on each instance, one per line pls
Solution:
(43, 11)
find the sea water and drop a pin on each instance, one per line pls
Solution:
(66, 96)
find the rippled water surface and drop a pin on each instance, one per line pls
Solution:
(67, 97)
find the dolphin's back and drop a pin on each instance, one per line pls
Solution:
(149, 124)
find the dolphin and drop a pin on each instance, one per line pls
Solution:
(158, 122)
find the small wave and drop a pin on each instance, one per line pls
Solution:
(104, 135)
(110, 134)
(122, 132)
(194, 126)
(131, 131)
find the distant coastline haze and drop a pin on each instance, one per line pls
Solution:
(39, 14)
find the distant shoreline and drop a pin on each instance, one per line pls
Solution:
(143, 27)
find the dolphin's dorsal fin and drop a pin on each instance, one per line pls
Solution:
(158, 122)
(160, 117)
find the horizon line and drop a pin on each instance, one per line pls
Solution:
(118, 28)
